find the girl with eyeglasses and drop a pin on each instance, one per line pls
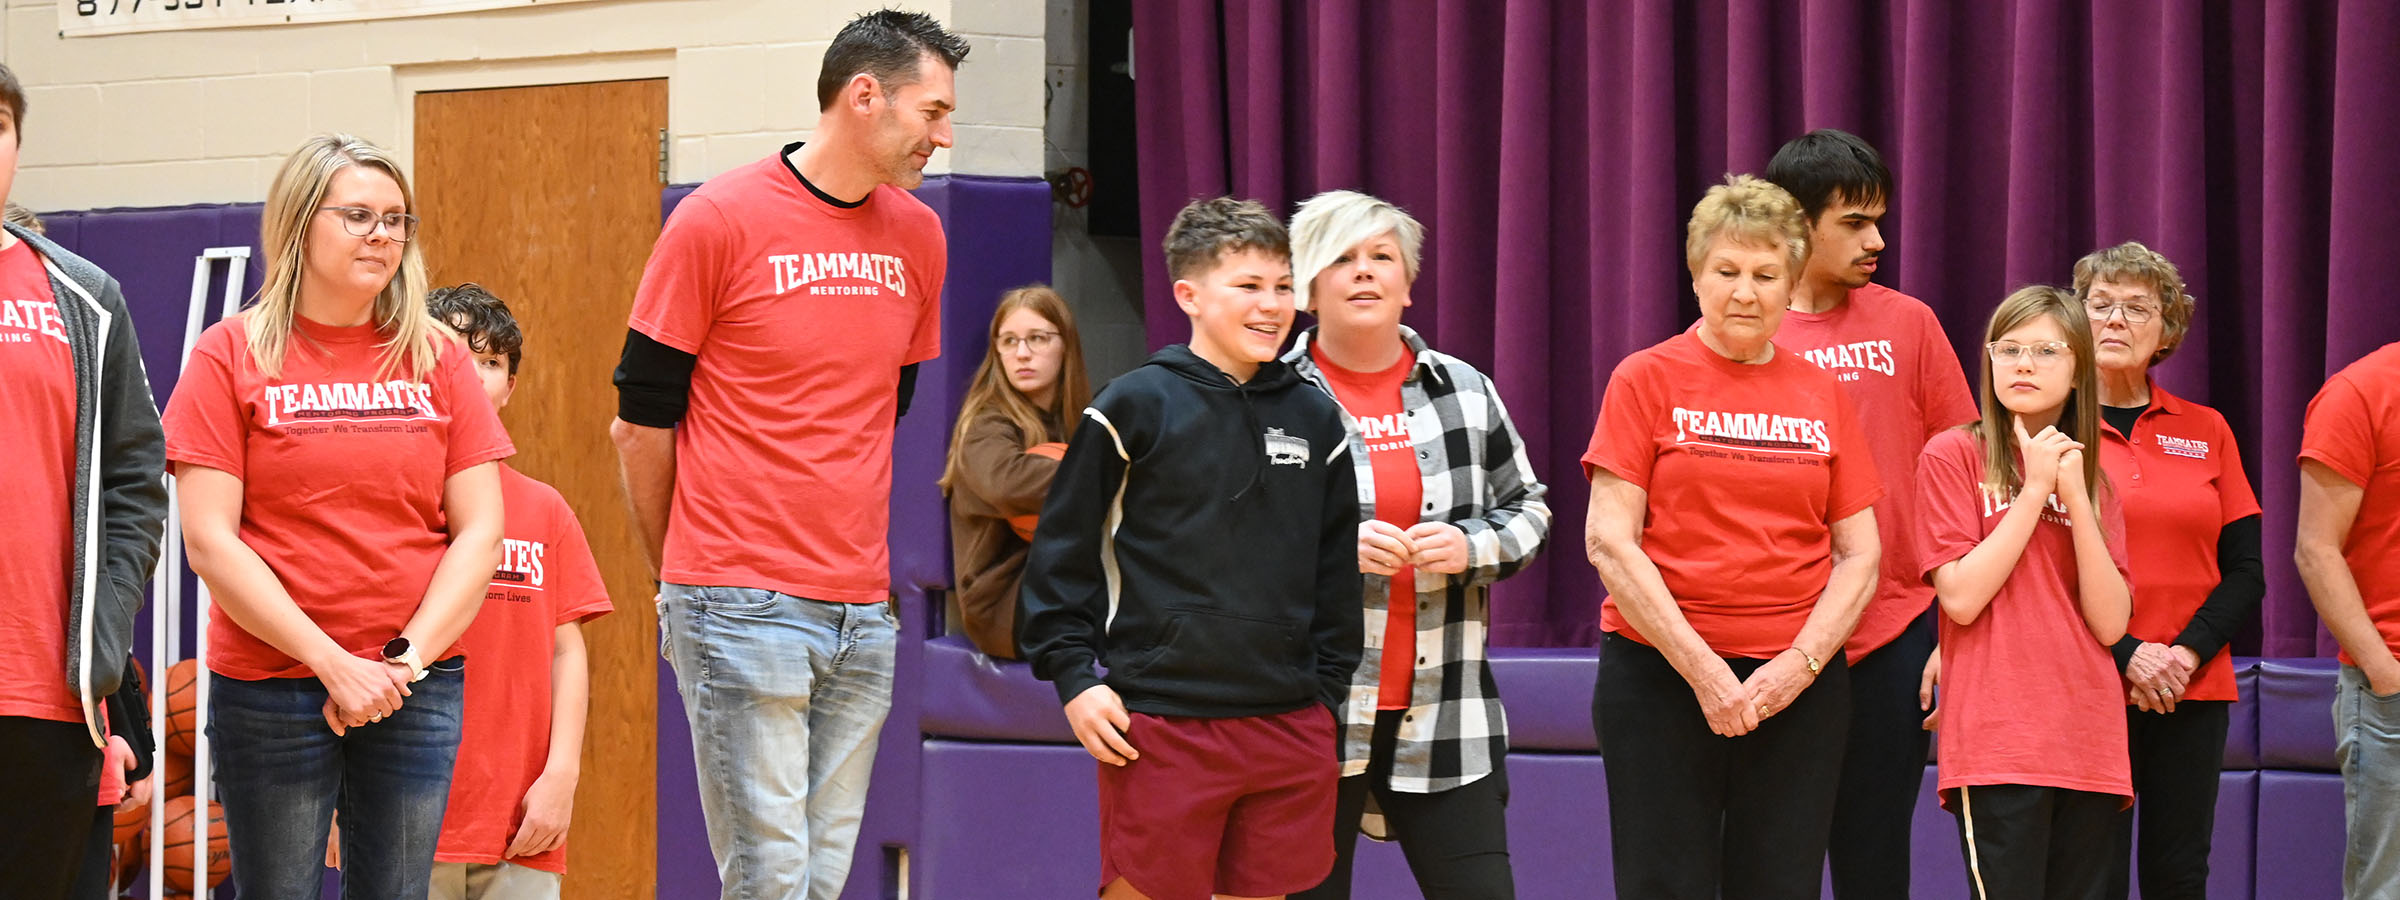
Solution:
(2024, 544)
(1011, 431)
(336, 461)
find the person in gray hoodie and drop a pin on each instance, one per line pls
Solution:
(86, 507)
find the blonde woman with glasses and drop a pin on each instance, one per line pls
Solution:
(336, 461)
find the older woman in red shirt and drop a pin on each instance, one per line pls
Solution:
(1730, 522)
(2192, 525)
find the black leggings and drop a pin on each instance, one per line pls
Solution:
(1883, 770)
(1456, 840)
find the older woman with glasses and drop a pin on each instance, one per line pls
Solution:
(2193, 526)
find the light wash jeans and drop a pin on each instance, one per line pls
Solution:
(2366, 731)
(492, 881)
(786, 697)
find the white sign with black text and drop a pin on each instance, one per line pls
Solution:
(89, 17)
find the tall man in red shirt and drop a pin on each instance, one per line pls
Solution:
(2349, 554)
(774, 342)
(1890, 355)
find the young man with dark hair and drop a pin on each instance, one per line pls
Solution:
(520, 746)
(773, 343)
(82, 523)
(1890, 354)
(1200, 540)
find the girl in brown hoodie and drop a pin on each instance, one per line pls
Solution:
(1003, 453)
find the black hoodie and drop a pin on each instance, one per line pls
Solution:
(1201, 541)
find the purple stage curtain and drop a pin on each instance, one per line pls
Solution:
(1554, 150)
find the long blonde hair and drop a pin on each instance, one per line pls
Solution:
(991, 389)
(2080, 419)
(411, 333)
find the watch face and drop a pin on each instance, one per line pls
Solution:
(395, 648)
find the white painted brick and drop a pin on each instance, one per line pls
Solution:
(729, 151)
(142, 184)
(150, 120)
(997, 150)
(718, 90)
(64, 126)
(791, 85)
(254, 115)
(39, 55)
(688, 162)
(1005, 84)
(362, 102)
(302, 48)
(1014, 18)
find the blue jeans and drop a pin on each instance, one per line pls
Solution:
(786, 697)
(2366, 732)
(281, 773)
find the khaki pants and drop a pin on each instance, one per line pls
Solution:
(505, 881)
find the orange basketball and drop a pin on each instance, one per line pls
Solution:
(180, 700)
(132, 840)
(175, 774)
(178, 854)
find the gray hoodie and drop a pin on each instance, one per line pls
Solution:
(120, 499)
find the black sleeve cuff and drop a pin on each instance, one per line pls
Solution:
(654, 382)
(2124, 651)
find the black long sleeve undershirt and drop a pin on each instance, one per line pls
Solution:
(654, 382)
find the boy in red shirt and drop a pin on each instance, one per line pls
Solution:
(2349, 554)
(1904, 380)
(520, 744)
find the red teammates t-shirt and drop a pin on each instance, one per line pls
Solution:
(1747, 467)
(1904, 379)
(2028, 696)
(342, 465)
(2181, 481)
(546, 579)
(801, 313)
(37, 437)
(2354, 429)
(1373, 401)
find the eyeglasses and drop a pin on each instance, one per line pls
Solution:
(2135, 313)
(2042, 353)
(361, 222)
(1039, 341)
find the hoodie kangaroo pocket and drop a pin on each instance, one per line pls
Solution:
(1227, 658)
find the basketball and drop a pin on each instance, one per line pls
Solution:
(180, 700)
(174, 774)
(132, 840)
(178, 853)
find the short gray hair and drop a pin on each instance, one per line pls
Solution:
(1335, 221)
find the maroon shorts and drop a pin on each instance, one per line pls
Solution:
(1228, 806)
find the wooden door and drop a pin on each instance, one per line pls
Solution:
(549, 197)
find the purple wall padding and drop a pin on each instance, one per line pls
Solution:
(998, 233)
(2300, 835)
(2295, 714)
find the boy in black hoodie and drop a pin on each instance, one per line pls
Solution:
(1200, 541)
